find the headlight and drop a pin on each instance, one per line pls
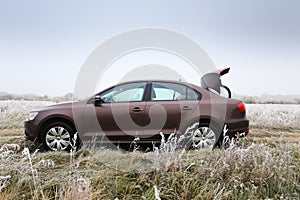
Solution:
(32, 115)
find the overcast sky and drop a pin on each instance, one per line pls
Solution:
(43, 44)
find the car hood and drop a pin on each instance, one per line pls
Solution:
(60, 106)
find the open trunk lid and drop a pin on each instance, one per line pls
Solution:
(212, 81)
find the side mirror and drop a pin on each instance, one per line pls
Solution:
(96, 100)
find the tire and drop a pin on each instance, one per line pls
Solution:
(201, 135)
(57, 136)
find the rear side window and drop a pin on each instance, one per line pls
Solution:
(192, 94)
(172, 92)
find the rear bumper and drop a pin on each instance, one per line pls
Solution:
(238, 128)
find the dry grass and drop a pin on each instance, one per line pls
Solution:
(274, 136)
(255, 171)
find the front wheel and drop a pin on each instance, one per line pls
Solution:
(202, 135)
(57, 136)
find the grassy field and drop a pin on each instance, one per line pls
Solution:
(264, 165)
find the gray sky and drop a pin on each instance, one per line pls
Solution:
(43, 44)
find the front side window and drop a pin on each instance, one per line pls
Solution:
(129, 92)
(172, 92)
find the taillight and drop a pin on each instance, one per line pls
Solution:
(242, 107)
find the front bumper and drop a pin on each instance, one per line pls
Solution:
(31, 132)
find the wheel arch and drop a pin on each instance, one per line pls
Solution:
(210, 121)
(206, 120)
(53, 119)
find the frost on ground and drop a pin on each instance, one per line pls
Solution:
(13, 113)
(4, 181)
(273, 115)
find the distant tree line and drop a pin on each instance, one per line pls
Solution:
(258, 100)
(32, 97)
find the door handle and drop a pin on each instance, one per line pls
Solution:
(186, 108)
(137, 109)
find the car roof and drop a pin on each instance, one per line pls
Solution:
(160, 80)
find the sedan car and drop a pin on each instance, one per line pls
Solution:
(140, 109)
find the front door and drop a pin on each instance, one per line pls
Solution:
(121, 112)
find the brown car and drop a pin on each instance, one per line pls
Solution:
(140, 109)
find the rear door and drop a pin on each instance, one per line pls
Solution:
(169, 107)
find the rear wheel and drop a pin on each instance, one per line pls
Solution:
(57, 136)
(202, 135)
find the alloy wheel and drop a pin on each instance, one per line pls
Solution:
(58, 138)
(203, 137)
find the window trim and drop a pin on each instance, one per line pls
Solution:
(162, 82)
(111, 88)
(147, 92)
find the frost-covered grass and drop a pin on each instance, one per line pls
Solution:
(13, 113)
(265, 164)
(278, 116)
(252, 171)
